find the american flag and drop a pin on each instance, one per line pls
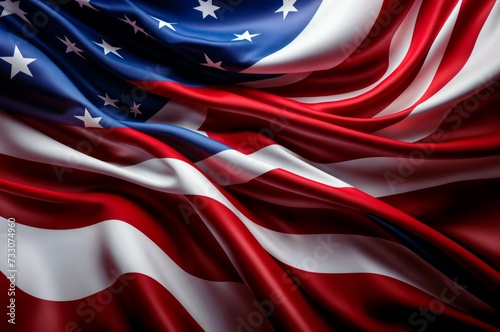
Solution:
(237, 165)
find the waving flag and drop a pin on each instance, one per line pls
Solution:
(235, 165)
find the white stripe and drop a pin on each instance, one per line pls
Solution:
(232, 167)
(66, 265)
(400, 45)
(426, 74)
(180, 114)
(166, 174)
(376, 176)
(480, 70)
(346, 253)
(172, 175)
(321, 44)
(384, 176)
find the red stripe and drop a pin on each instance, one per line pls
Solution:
(120, 146)
(470, 21)
(363, 67)
(288, 203)
(164, 218)
(471, 220)
(266, 189)
(474, 117)
(460, 123)
(309, 136)
(134, 302)
(369, 302)
(259, 271)
(430, 20)
(324, 194)
(364, 203)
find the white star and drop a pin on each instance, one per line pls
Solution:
(133, 24)
(212, 64)
(86, 3)
(70, 47)
(108, 48)
(135, 109)
(18, 63)
(10, 7)
(245, 36)
(162, 24)
(88, 120)
(287, 7)
(108, 100)
(207, 8)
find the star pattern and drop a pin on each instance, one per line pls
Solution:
(212, 64)
(11, 7)
(19, 63)
(86, 3)
(245, 36)
(71, 47)
(108, 48)
(207, 8)
(135, 109)
(162, 24)
(288, 6)
(108, 100)
(133, 24)
(88, 120)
